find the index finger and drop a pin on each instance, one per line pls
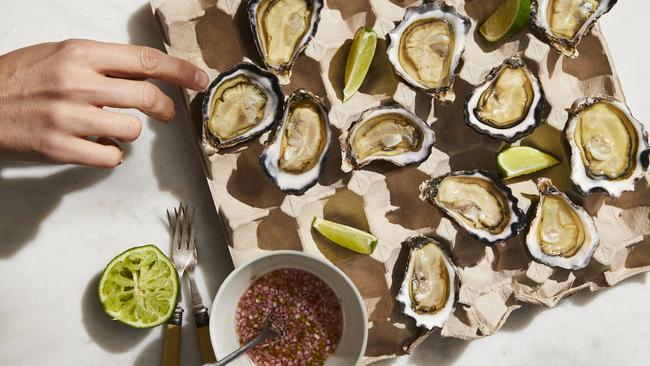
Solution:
(130, 61)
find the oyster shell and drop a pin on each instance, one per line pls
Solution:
(240, 104)
(282, 29)
(608, 147)
(294, 154)
(426, 47)
(430, 285)
(561, 234)
(563, 23)
(478, 202)
(390, 133)
(508, 104)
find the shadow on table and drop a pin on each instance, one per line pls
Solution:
(110, 335)
(435, 350)
(28, 201)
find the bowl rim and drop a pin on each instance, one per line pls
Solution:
(296, 253)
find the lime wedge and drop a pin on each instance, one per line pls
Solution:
(139, 287)
(359, 59)
(346, 236)
(521, 160)
(509, 18)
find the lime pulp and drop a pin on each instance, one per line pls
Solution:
(360, 57)
(521, 160)
(346, 236)
(508, 19)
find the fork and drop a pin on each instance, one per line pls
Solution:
(184, 221)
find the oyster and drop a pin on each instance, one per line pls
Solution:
(426, 47)
(389, 133)
(478, 202)
(295, 152)
(282, 29)
(240, 104)
(430, 283)
(561, 234)
(563, 23)
(508, 104)
(608, 146)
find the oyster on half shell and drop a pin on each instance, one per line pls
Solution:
(508, 104)
(240, 104)
(426, 47)
(294, 154)
(430, 286)
(282, 29)
(478, 202)
(563, 23)
(561, 234)
(389, 133)
(609, 148)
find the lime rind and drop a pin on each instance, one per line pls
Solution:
(517, 161)
(346, 236)
(516, 20)
(359, 60)
(139, 287)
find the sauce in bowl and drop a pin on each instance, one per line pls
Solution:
(305, 309)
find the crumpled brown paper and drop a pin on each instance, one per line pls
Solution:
(383, 199)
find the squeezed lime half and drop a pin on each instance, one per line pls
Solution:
(346, 236)
(139, 287)
(359, 59)
(508, 19)
(521, 160)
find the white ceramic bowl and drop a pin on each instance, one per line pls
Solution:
(223, 331)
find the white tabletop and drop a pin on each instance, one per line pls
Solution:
(60, 225)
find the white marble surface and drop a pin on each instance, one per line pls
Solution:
(60, 225)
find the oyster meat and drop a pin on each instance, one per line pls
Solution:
(426, 47)
(282, 29)
(563, 23)
(295, 152)
(608, 146)
(389, 133)
(240, 104)
(478, 202)
(508, 104)
(561, 234)
(430, 286)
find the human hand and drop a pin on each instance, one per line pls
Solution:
(52, 97)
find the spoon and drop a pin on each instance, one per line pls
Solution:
(268, 331)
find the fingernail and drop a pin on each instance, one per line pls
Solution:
(201, 79)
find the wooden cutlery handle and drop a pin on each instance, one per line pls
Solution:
(202, 320)
(172, 342)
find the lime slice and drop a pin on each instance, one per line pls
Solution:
(509, 18)
(359, 59)
(521, 160)
(346, 236)
(139, 287)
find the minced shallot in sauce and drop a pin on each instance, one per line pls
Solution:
(305, 309)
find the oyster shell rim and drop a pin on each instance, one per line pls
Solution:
(579, 177)
(415, 13)
(440, 318)
(518, 222)
(206, 104)
(568, 47)
(535, 112)
(264, 158)
(346, 145)
(577, 261)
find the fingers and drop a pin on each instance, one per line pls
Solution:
(141, 95)
(93, 121)
(74, 150)
(127, 61)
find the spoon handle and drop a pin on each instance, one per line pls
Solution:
(250, 344)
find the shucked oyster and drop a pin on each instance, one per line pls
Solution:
(563, 23)
(282, 29)
(430, 283)
(295, 153)
(426, 47)
(240, 104)
(389, 133)
(478, 202)
(562, 234)
(608, 146)
(508, 104)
